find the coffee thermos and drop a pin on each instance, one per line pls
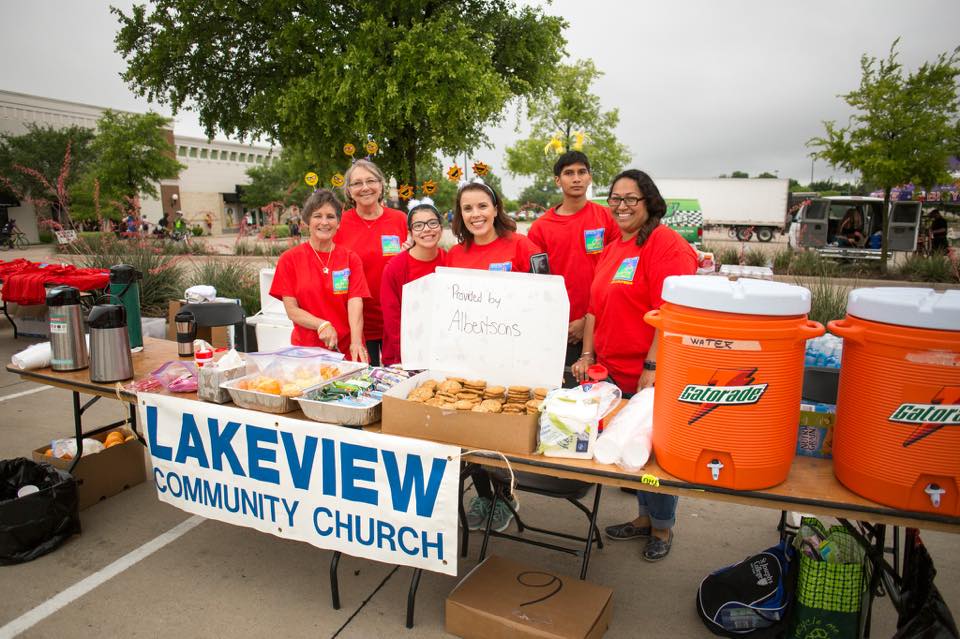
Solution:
(110, 359)
(186, 332)
(125, 290)
(68, 345)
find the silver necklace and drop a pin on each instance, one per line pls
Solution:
(322, 263)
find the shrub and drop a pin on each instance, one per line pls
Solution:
(251, 247)
(811, 263)
(929, 268)
(45, 237)
(277, 231)
(781, 260)
(828, 302)
(728, 255)
(196, 231)
(755, 257)
(231, 279)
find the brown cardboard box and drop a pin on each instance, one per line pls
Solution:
(506, 599)
(103, 474)
(487, 431)
(216, 336)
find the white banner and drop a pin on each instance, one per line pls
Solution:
(388, 498)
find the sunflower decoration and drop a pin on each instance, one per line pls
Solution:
(372, 147)
(337, 180)
(349, 149)
(480, 169)
(429, 187)
(311, 178)
(454, 173)
(554, 145)
(405, 192)
(579, 137)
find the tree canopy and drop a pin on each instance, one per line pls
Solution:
(133, 152)
(568, 116)
(419, 76)
(904, 127)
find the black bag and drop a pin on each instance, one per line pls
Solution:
(752, 597)
(924, 614)
(33, 525)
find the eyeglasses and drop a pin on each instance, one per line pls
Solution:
(631, 200)
(429, 224)
(369, 183)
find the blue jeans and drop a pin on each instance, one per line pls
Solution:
(659, 507)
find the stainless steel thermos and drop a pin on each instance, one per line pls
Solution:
(68, 345)
(186, 332)
(110, 359)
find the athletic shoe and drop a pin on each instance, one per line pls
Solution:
(501, 516)
(477, 513)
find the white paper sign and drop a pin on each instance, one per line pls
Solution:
(502, 327)
(65, 237)
(392, 499)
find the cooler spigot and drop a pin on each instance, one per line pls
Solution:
(934, 491)
(715, 465)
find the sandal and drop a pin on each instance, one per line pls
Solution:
(623, 532)
(657, 548)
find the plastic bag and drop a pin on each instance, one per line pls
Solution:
(177, 377)
(570, 418)
(36, 524)
(66, 448)
(924, 613)
(297, 366)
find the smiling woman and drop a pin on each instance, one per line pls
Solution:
(488, 237)
(322, 285)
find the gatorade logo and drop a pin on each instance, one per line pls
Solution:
(943, 410)
(726, 387)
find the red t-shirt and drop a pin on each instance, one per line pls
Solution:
(401, 269)
(627, 284)
(573, 244)
(324, 295)
(376, 243)
(508, 253)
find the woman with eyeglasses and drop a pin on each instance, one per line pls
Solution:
(627, 283)
(321, 283)
(487, 236)
(421, 259)
(374, 232)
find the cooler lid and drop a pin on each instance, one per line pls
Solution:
(269, 305)
(746, 296)
(915, 307)
(63, 296)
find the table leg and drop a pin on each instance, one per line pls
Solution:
(78, 430)
(9, 319)
(334, 581)
(412, 595)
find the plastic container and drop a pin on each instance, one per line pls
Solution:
(729, 374)
(897, 435)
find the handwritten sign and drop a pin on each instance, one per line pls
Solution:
(508, 327)
(65, 237)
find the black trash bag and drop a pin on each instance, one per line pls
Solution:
(924, 614)
(33, 525)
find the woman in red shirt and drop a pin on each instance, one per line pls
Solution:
(627, 283)
(423, 258)
(488, 237)
(321, 284)
(375, 233)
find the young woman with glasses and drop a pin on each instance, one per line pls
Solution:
(374, 232)
(627, 283)
(421, 259)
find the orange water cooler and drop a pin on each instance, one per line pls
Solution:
(729, 376)
(897, 435)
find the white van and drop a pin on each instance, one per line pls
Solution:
(816, 224)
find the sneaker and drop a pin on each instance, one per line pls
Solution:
(477, 513)
(623, 532)
(501, 517)
(657, 548)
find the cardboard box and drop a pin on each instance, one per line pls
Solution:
(815, 435)
(501, 327)
(103, 474)
(503, 598)
(216, 336)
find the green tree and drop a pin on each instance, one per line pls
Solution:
(767, 175)
(736, 174)
(417, 75)
(283, 180)
(31, 164)
(542, 192)
(133, 152)
(904, 127)
(570, 114)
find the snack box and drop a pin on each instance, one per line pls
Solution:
(277, 404)
(353, 411)
(505, 328)
(815, 435)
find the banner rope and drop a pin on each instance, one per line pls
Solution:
(513, 477)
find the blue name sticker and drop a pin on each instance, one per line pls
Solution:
(626, 271)
(341, 281)
(390, 244)
(501, 266)
(593, 240)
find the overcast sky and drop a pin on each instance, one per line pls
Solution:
(703, 87)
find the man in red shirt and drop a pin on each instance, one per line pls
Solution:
(573, 235)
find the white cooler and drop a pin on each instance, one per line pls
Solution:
(272, 325)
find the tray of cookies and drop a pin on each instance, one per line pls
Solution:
(458, 393)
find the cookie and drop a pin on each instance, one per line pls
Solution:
(495, 390)
(464, 404)
(450, 386)
(458, 380)
(435, 401)
(467, 395)
(449, 406)
(540, 392)
(534, 404)
(491, 406)
(519, 389)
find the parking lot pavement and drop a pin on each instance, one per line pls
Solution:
(143, 568)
